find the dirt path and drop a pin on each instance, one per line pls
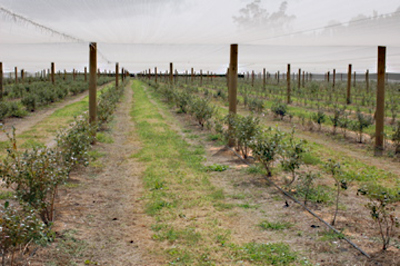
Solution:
(101, 209)
(26, 123)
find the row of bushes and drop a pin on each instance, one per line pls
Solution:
(339, 117)
(31, 96)
(35, 175)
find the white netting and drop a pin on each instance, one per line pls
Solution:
(313, 35)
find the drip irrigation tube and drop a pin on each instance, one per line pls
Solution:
(307, 209)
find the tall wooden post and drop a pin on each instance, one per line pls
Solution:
(264, 78)
(328, 77)
(1, 80)
(288, 84)
(53, 72)
(192, 76)
(367, 80)
(380, 101)
(334, 79)
(22, 76)
(149, 74)
(155, 74)
(278, 76)
(232, 89)
(171, 73)
(304, 73)
(299, 79)
(116, 75)
(92, 83)
(348, 100)
(252, 78)
(122, 74)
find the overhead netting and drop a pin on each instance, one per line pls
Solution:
(316, 36)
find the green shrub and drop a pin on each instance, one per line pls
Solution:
(75, 142)
(30, 102)
(202, 110)
(279, 109)
(319, 118)
(243, 131)
(3, 110)
(16, 110)
(362, 122)
(396, 137)
(17, 229)
(292, 155)
(267, 147)
(335, 118)
(34, 175)
(382, 210)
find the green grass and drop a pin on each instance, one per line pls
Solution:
(176, 184)
(217, 168)
(31, 143)
(4, 145)
(72, 110)
(104, 138)
(330, 236)
(6, 195)
(266, 254)
(267, 225)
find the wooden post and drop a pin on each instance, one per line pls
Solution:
(171, 73)
(92, 83)
(22, 76)
(304, 73)
(328, 77)
(252, 78)
(201, 77)
(367, 80)
(334, 78)
(299, 79)
(288, 84)
(380, 101)
(232, 89)
(116, 75)
(1, 80)
(122, 74)
(264, 78)
(85, 73)
(348, 100)
(192, 76)
(155, 74)
(53, 71)
(278, 75)
(149, 74)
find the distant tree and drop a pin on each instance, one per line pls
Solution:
(254, 16)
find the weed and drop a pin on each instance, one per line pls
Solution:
(104, 138)
(217, 168)
(266, 225)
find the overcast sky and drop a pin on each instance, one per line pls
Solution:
(144, 34)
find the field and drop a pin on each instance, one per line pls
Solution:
(300, 185)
